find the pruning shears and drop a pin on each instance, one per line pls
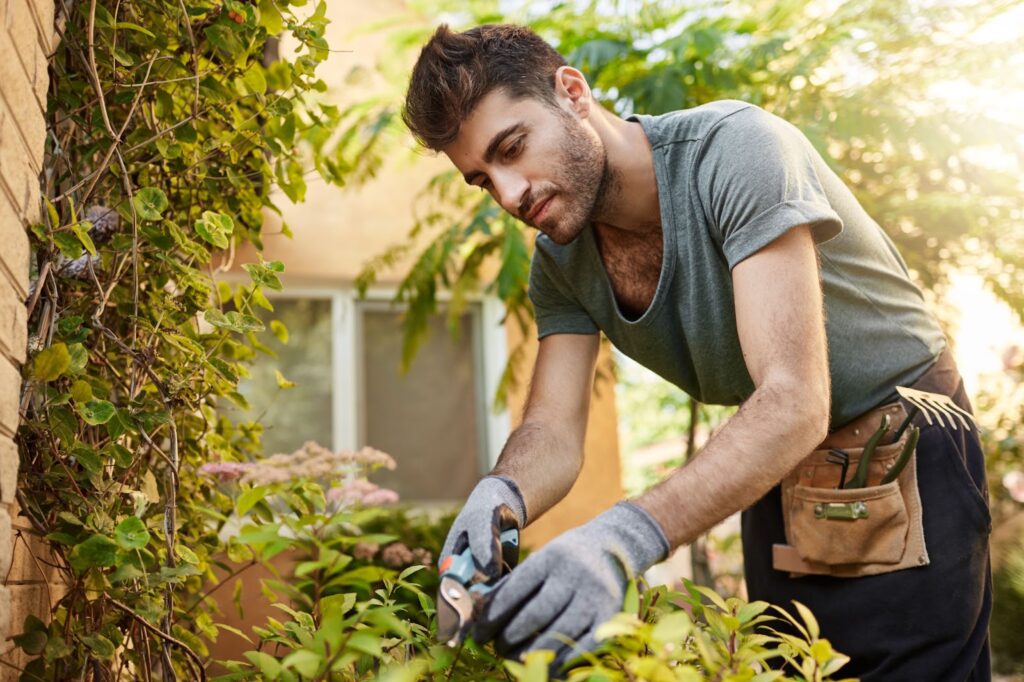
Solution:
(463, 588)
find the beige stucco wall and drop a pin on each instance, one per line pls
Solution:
(27, 37)
(338, 230)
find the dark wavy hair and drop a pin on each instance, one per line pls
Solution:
(456, 70)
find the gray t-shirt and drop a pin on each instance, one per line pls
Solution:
(731, 179)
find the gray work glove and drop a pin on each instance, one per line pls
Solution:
(494, 505)
(571, 586)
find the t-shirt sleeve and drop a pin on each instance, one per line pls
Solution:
(757, 177)
(556, 311)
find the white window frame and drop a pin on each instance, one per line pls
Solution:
(347, 385)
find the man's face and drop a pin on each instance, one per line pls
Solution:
(540, 164)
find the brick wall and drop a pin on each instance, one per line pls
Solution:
(27, 38)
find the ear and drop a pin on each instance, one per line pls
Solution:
(572, 91)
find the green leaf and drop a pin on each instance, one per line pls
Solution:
(809, 620)
(123, 57)
(134, 27)
(249, 498)
(270, 17)
(121, 455)
(68, 244)
(215, 228)
(81, 231)
(186, 554)
(98, 550)
(281, 381)
(233, 321)
(150, 203)
(97, 412)
(79, 358)
(32, 643)
(267, 664)
(81, 391)
(306, 662)
(51, 211)
(631, 603)
(254, 79)
(89, 459)
(51, 362)
(131, 533)
(279, 330)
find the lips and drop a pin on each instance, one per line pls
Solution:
(539, 208)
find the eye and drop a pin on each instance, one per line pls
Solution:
(514, 149)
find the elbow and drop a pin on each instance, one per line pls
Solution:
(807, 410)
(814, 416)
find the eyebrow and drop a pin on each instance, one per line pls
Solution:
(492, 148)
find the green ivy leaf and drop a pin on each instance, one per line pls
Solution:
(89, 459)
(97, 412)
(81, 231)
(51, 362)
(121, 455)
(131, 533)
(79, 358)
(123, 57)
(32, 643)
(215, 228)
(102, 647)
(279, 330)
(254, 79)
(81, 391)
(234, 321)
(186, 554)
(98, 550)
(150, 203)
(68, 244)
(270, 17)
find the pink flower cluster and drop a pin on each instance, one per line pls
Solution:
(311, 461)
(361, 492)
(225, 471)
(395, 555)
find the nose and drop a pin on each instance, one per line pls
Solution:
(509, 189)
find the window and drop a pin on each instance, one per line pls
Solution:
(344, 355)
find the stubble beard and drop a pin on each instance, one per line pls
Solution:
(585, 184)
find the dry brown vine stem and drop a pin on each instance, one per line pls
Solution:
(167, 637)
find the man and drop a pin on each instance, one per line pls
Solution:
(716, 247)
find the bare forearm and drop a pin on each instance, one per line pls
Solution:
(542, 463)
(763, 441)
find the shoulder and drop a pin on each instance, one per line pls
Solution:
(695, 124)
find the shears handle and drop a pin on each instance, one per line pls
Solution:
(461, 567)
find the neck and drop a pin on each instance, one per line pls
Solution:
(629, 192)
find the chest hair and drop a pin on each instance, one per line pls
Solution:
(633, 264)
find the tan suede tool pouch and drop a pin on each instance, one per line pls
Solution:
(853, 531)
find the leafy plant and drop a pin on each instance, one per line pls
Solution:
(168, 128)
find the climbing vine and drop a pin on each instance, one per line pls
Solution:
(169, 126)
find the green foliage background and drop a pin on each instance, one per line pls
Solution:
(168, 127)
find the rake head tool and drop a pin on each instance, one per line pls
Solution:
(934, 407)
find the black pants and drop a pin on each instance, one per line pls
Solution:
(918, 624)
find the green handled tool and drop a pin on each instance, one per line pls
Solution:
(860, 477)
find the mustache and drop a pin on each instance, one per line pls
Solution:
(531, 199)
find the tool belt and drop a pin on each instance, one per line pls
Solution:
(853, 532)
